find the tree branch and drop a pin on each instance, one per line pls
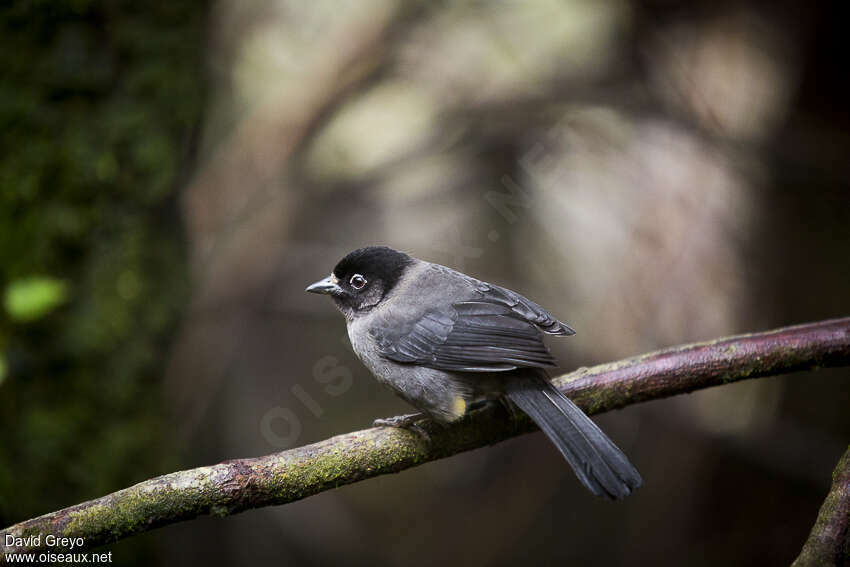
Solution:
(234, 486)
(829, 542)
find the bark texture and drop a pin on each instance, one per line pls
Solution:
(829, 542)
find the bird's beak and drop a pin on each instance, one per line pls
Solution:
(327, 286)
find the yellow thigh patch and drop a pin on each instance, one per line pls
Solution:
(459, 406)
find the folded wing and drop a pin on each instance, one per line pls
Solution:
(498, 330)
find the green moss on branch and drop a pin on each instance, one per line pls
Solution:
(829, 542)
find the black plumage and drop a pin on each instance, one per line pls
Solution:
(598, 463)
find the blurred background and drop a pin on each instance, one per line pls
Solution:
(173, 174)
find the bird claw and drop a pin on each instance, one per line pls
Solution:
(408, 421)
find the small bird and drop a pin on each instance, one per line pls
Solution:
(445, 341)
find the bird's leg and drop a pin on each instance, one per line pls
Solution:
(407, 421)
(402, 421)
(510, 408)
(501, 401)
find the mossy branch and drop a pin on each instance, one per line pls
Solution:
(829, 542)
(234, 486)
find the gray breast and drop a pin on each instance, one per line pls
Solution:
(442, 395)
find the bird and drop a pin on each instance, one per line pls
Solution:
(445, 341)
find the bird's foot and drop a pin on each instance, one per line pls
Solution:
(495, 403)
(408, 421)
(510, 408)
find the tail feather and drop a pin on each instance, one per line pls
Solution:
(597, 462)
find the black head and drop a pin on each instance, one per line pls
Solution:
(361, 279)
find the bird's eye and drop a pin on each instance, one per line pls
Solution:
(357, 281)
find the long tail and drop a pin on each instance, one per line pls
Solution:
(598, 463)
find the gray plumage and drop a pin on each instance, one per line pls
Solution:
(443, 340)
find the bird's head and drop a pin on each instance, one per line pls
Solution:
(363, 278)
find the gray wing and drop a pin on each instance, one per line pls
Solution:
(497, 330)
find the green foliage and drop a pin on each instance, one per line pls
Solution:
(98, 103)
(28, 299)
